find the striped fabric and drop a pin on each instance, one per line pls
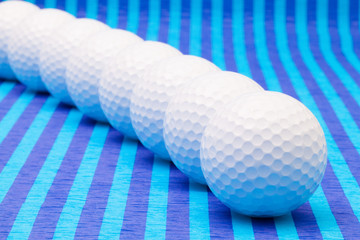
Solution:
(65, 176)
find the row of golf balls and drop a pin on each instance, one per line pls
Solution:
(262, 153)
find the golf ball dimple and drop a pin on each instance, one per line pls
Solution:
(121, 75)
(86, 64)
(57, 49)
(151, 96)
(264, 155)
(26, 40)
(11, 13)
(189, 111)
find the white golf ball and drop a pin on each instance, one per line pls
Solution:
(121, 75)
(264, 155)
(57, 49)
(85, 67)
(26, 40)
(11, 13)
(189, 111)
(151, 96)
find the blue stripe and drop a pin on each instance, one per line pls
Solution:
(195, 28)
(71, 7)
(50, 4)
(112, 13)
(154, 20)
(17, 160)
(242, 226)
(5, 88)
(9, 100)
(14, 113)
(66, 226)
(133, 16)
(115, 209)
(36, 196)
(156, 214)
(198, 211)
(175, 23)
(92, 9)
(217, 34)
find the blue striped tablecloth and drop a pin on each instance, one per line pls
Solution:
(63, 175)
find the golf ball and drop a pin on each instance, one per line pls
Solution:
(151, 96)
(264, 155)
(11, 13)
(57, 49)
(189, 111)
(26, 40)
(86, 64)
(121, 75)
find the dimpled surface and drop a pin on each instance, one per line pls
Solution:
(120, 76)
(85, 67)
(264, 154)
(11, 13)
(57, 49)
(26, 40)
(190, 110)
(152, 95)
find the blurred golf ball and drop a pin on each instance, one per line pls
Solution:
(57, 49)
(11, 13)
(26, 40)
(86, 64)
(120, 76)
(264, 155)
(151, 96)
(189, 111)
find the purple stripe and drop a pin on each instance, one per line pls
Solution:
(336, 42)
(206, 31)
(354, 25)
(60, 4)
(17, 194)
(123, 13)
(219, 219)
(305, 223)
(163, 34)
(93, 211)
(50, 211)
(81, 9)
(143, 19)
(138, 197)
(263, 228)
(12, 140)
(10, 99)
(227, 37)
(257, 75)
(185, 27)
(177, 222)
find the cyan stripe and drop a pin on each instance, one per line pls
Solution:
(283, 229)
(198, 211)
(70, 215)
(50, 4)
(114, 213)
(133, 16)
(30, 208)
(158, 200)
(217, 43)
(242, 227)
(18, 158)
(175, 23)
(154, 20)
(9, 120)
(340, 167)
(195, 27)
(261, 48)
(239, 38)
(92, 9)
(112, 13)
(71, 7)
(326, 50)
(347, 45)
(324, 218)
(5, 88)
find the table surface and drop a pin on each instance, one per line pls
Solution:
(63, 175)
